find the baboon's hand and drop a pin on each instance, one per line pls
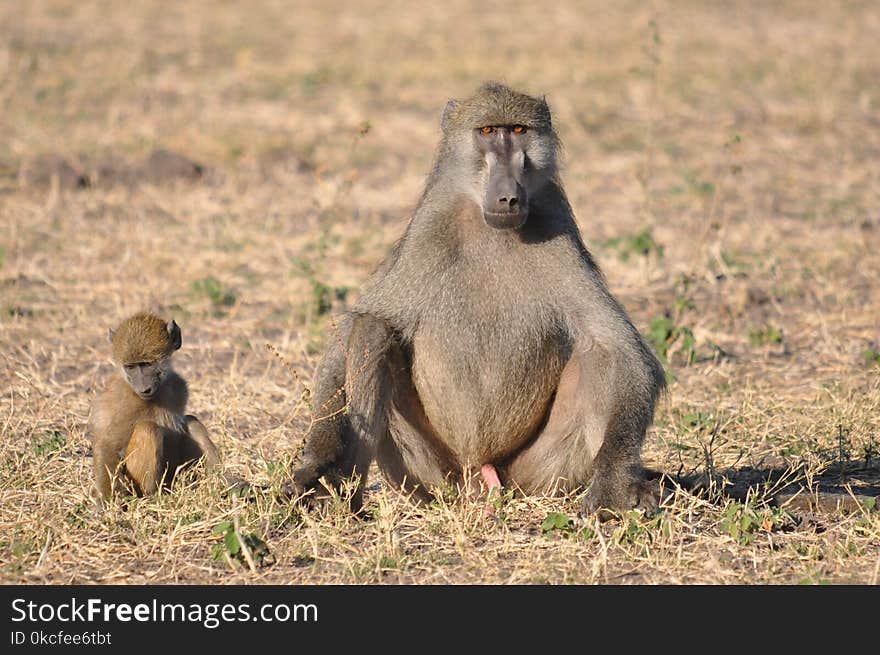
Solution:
(98, 505)
(303, 486)
(608, 500)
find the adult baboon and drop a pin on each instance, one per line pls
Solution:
(487, 340)
(139, 427)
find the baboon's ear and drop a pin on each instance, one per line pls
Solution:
(450, 107)
(174, 333)
(110, 333)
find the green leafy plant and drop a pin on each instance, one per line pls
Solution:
(740, 522)
(499, 501)
(49, 443)
(642, 529)
(641, 243)
(213, 289)
(664, 333)
(561, 524)
(386, 562)
(695, 420)
(323, 297)
(872, 356)
(557, 521)
(743, 522)
(682, 304)
(586, 533)
(230, 546)
(814, 581)
(765, 335)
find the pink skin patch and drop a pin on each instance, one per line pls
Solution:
(490, 477)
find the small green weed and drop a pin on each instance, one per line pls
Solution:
(666, 336)
(213, 289)
(765, 335)
(641, 243)
(230, 547)
(49, 443)
(743, 522)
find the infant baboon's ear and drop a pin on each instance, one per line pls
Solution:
(174, 334)
(448, 110)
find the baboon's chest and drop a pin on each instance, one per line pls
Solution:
(486, 383)
(174, 423)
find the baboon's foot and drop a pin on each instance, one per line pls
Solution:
(609, 499)
(319, 492)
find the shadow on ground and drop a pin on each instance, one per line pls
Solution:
(848, 485)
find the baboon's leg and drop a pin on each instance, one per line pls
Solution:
(144, 457)
(197, 444)
(368, 389)
(593, 434)
(329, 429)
(410, 456)
(619, 481)
(341, 444)
(106, 466)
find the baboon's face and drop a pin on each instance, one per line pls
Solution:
(143, 346)
(145, 378)
(513, 166)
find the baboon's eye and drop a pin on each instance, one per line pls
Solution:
(487, 130)
(519, 129)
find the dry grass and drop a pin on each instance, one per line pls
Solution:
(744, 136)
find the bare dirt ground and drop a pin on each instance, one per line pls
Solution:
(243, 167)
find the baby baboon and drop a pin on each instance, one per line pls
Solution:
(487, 340)
(139, 427)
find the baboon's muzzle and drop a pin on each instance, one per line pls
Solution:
(506, 205)
(143, 384)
